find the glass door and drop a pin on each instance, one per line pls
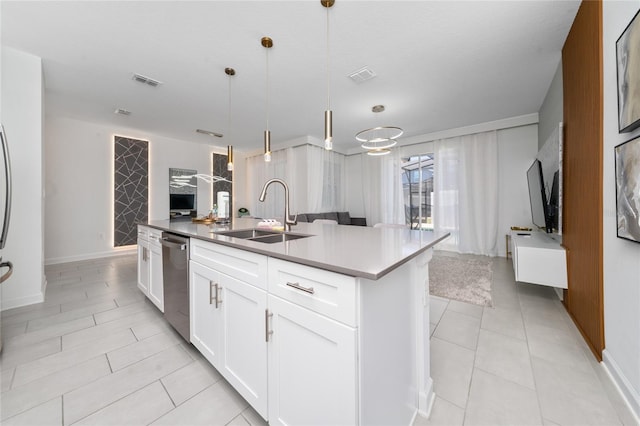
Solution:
(417, 185)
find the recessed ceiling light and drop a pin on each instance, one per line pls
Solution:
(209, 133)
(122, 111)
(146, 80)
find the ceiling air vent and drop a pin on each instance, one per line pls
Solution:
(362, 75)
(122, 111)
(146, 80)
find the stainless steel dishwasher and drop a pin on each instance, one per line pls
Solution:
(175, 272)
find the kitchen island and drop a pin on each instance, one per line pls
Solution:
(329, 328)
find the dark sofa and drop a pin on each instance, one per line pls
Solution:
(343, 218)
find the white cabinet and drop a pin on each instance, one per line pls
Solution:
(538, 259)
(313, 363)
(312, 368)
(150, 265)
(205, 313)
(143, 259)
(228, 317)
(308, 346)
(156, 287)
(244, 344)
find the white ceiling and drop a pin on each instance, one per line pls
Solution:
(439, 64)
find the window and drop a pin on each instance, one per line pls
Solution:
(417, 186)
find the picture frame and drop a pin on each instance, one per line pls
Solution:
(628, 76)
(627, 169)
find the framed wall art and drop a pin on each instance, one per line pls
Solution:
(628, 189)
(628, 70)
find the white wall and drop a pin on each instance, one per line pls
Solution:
(79, 184)
(517, 148)
(621, 257)
(21, 115)
(551, 112)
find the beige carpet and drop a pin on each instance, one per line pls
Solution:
(461, 277)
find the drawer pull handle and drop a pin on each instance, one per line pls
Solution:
(299, 287)
(267, 332)
(214, 294)
(218, 300)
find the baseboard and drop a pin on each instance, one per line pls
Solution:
(629, 394)
(426, 399)
(117, 251)
(21, 301)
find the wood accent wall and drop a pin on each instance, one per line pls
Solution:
(582, 185)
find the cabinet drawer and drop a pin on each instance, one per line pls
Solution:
(143, 232)
(327, 293)
(243, 265)
(155, 235)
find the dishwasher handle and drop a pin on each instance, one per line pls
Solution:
(173, 244)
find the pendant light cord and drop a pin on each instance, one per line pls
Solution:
(229, 114)
(267, 91)
(328, 67)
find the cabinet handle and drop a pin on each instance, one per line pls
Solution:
(218, 301)
(145, 255)
(267, 332)
(214, 294)
(211, 297)
(299, 287)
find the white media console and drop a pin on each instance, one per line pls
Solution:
(538, 259)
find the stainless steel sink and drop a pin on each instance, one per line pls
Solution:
(263, 235)
(279, 238)
(246, 233)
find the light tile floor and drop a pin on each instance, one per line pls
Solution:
(520, 362)
(96, 352)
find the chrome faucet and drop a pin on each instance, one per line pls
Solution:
(287, 221)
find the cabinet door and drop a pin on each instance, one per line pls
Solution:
(155, 275)
(244, 346)
(312, 368)
(205, 314)
(143, 266)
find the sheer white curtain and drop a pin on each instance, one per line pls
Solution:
(325, 177)
(258, 172)
(315, 178)
(466, 192)
(382, 188)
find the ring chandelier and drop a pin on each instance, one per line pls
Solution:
(378, 140)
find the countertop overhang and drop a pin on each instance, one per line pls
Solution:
(356, 251)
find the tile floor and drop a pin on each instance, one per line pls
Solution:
(97, 352)
(521, 362)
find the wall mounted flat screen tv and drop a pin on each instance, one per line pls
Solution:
(182, 201)
(538, 197)
(553, 209)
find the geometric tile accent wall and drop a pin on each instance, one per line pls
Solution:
(131, 189)
(220, 169)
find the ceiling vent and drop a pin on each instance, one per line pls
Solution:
(122, 111)
(362, 75)
(146, 80)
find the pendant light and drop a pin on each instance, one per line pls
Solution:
(378, 140)
(267, 43)
(230, 72)
(328, 114)
(230, 158)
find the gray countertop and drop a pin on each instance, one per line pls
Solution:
(357, 251)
